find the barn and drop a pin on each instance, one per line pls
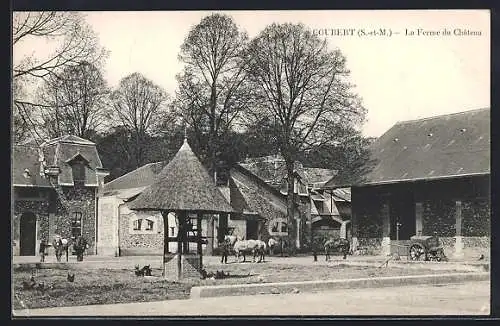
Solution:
(426, 177)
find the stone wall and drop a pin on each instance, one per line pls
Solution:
(41, 211)
(133, 241)
(369, 220)
(438, 216)
(370, 246)
(476, 218)
(76, 199)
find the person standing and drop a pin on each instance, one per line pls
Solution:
(80, 246)
(41, 251)
(225, 250)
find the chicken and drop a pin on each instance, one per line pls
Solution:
(29, 285)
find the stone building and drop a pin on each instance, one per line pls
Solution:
(54, 192)
(425, 177)
(318, 212)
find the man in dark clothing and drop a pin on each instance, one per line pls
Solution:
(80, 246)
(41, 251)
(225, 246)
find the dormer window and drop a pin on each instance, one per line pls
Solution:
(78, 173)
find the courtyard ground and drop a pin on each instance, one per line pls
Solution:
(452, 299)
(100, 280)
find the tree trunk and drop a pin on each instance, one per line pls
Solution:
(212, 136)
(290, 204)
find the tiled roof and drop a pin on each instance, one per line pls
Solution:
(272, 170)
(140, 177)
(438, 147)
(250, 194)
(26, 168)
(55, 152)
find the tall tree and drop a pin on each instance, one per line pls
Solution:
(301, 87)
(211, 91)
(74, 42)
(74, 101)
(140, 106)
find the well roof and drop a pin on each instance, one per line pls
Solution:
(183, 185)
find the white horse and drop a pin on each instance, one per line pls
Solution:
(61, 246)
(272, 243)
(243, 247)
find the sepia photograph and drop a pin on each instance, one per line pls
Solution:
(318, 163)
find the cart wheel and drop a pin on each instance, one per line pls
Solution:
(417, 252)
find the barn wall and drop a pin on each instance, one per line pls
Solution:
(438, 199)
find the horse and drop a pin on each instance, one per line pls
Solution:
(335, 244)
(271, 243)
(61, 246)
(242, 247)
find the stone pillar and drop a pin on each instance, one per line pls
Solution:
(419, 211)
(164, 214)
(458, 230)
(386, 227)
(354, 219)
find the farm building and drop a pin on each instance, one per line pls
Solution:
(327, 210)
(426, 177)
(259, 204)
(55, 187)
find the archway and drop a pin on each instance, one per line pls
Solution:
(27, 234)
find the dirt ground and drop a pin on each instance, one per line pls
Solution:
(106, 286)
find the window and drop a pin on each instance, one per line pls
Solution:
(149, 225)
(78, 173)
(137, 224)
(76, 224)
(278, 227)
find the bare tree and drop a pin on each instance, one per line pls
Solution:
(141, 107)
(211, 91)
(74, 101)
(74, 40)
(301, 87)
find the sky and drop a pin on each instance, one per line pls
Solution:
(400, 76)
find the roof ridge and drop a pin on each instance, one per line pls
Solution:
(440, 116)
(126, 174)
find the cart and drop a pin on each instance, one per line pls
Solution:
(426, 248)
(419, 248)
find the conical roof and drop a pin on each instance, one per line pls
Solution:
(183, 184)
